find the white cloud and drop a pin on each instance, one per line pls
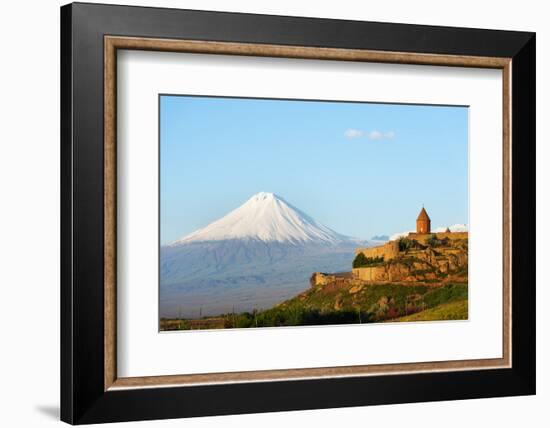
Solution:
(374, 135)
(452, 228)
(378, 135)
(400, 235)
(353, 133)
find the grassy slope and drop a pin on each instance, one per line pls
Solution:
(326, 298)
(448, 311)
(344, 305)
(372, 303)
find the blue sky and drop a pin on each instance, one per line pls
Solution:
(361, 169)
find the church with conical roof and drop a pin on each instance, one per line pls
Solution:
(423, 222)
(422, 235)
(424, 232)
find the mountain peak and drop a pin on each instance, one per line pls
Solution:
(264, 196)
(269, 218)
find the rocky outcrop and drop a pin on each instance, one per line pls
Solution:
(356, 288)
(417, 264)
(319, 278)
(423, 263)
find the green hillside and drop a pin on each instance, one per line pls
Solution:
(447, 311)
(368, 303)
(343, 304)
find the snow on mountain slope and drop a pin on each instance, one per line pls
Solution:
(269, 218)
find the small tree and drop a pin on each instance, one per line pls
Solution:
(360, 260)
(404, 244)
(407, 244)
(433, 241)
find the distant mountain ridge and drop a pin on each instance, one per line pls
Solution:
(380, 238)
(257, 255)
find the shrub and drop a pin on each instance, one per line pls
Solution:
(406, 244)
(363, 261)
(184, 325)
(434, 242)
(360, 260)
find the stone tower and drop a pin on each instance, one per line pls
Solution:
(423, 222)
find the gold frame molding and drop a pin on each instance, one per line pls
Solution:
(113, 43)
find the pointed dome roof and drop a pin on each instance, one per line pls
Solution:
(423, 215)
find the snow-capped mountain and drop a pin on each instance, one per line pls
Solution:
(268, 218)
(257, 255)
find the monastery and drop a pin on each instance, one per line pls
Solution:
(390, 249)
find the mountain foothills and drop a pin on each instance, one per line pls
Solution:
(267, 263)
(257, 255)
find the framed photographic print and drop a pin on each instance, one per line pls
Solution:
(265, 213)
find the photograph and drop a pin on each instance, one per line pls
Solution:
(289, 212)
